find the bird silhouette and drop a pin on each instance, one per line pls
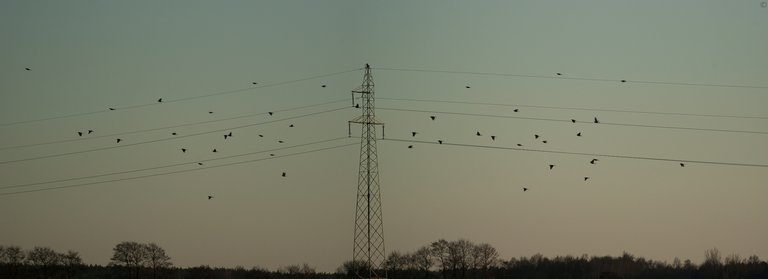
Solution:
(214, 150)
(80, 134)
(515, 110)
(593, 161)
(493, 137)
(413, 134)
(573, 120)
(559, 74)
(183, 150)
(623, 80)
(544, 141)
(225, 136)
(90, 131)
(578, 134)
(271, 154)
(28, 69)
(585, 178)
(357, 105)
(210, 112)
(173, 133)
(270, 113)
(160, 100)
(283, 174)
(440, 141)
(279, 141)
(519, 144)
(410, 146)
(467, 86)
(199, 164)
(322, 85)
(290, 125)
(682, 164)
(596, 121)
(254, 83)
(551, 166)
(210, 197)
(228, 135)
(119, 140)
(432, 117)
(525, 189)
(111, 108)
(261, 136)
(535, 136)
(477, 134)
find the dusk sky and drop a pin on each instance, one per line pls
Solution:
(696, 82)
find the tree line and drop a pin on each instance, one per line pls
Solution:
(441, 259)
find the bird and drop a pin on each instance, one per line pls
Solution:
(199, 164)
(283, 174)
(254, 83)
(467, 86)
(551, 166)
(80, 134)
(210, 197)
(357, 105)
(160, 100)
(578, 134)
(432, 117)
(559, 74)
(261, 136)
(682, 165)
(210, 112)
(111, 108)
(322, 85)
(173, 133)
(544, 141)
(525, 189)
(279, 141)
(585, 178)
(230, 134)
(290, 125)
(477, 134)
(519, 144)
(270, 113)
(515, 110)
(440, 141)
(90, 131)
(272, 154)
(413, 134)
(214, 150)
(225, 136)
(573, 120)
(183, 150)
(623, 80)
(535, 136)
(28, 69)
(593, 161)
(596, 121)
(410, 146)
(119, 140)
(493, 137)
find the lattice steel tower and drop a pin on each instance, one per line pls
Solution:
(368, 252)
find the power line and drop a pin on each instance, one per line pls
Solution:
(581, 153)
(167, 127)
(174, 172)
(165, 166)
(575, 78)
(179, 99)
(569, 121)
(577, 108)
(171, 138)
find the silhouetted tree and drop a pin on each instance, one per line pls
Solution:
(156, 259)
(11, 259)
(423, 260)
(131, 255)
(44, 261)
(72, 263)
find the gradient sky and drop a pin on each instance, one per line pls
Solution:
(87, 56)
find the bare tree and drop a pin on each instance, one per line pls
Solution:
(440, 252)
(11, 257)
(130, 255)
(156, 259)
(71, 262)
(713, 257)
(423, 260)
(484, 256)
(44, 260)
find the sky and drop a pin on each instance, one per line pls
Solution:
(202, 56)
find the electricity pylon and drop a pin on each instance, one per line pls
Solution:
(368, 253)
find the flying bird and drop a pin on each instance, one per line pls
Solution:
(322, 85)
(593, 161)
(183, 150)
(261, 136)
(28, 69)
(119, 140)
(210, 197)
(111, 108)
(80, 134)
(413, 134)
(467, 86)
(279, 141)
(519, 144)
(544, 141)
(535, 136)
(623, 80)
(493, 137)
(478, 134)
(290, 125)
(214, 150)
(357, 105)
(254, 83)
(525, 189)
(515, 110)
(578, 134)
(432, 117)
(270, 113)
(682, 165)
(199, 164)
(210, 112)
(283, 174)
(90, 131)
(559, 74)
(440, 141)
(160, 100)
(551, 166)
(173, 134)
(596, 121)
(410, 146)
(585, 178)
(272, 154)
(573, 120)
